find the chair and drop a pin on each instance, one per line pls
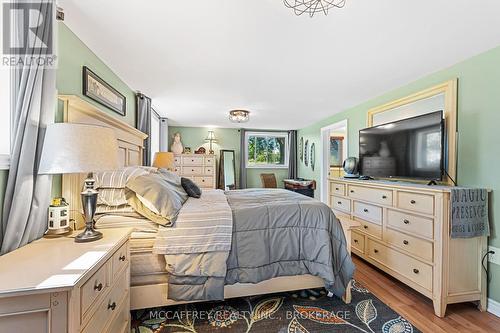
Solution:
(268, 180)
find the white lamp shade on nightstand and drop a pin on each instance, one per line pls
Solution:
(78, 148)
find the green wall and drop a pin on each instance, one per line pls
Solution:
(478, 125)
(228, 138)
(73, 55)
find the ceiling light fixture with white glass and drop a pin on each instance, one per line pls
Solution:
(239, 116)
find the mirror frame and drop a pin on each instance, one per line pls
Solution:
(449, 89)
(221, 182)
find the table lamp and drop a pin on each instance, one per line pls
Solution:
(164, 160)
(79, 148)
(211, 138)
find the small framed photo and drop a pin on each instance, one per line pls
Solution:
(100, 91)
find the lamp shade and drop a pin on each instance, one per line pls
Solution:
(164, 160)
(78, 148)
(211, 137)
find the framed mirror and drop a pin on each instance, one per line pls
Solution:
(227, 170)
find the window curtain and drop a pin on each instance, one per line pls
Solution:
(143, 124)
(27, 196)
(243, 168)
(292, 154)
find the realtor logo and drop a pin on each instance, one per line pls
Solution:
(28, 33)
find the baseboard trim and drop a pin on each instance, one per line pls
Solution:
(493, 307)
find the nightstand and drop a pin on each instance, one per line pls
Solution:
(57, 285)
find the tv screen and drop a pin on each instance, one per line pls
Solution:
(408, 148)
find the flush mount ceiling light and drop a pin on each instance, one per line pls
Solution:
(239, 116)
(312, 7)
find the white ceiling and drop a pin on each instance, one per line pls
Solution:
(198, 59)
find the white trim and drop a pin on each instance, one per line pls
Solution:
(325, 161)
(4, 162)
(493, 307)
(270, 134)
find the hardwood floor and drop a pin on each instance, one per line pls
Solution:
(418, 309)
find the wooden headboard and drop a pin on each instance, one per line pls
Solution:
(130, 144)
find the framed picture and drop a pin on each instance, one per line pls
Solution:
(306, 151)
(336, 150)
(301, 149)
(98, 90)
(313, 156)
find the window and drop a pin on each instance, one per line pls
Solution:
(5, 111)
(155, 134)
(266, 149)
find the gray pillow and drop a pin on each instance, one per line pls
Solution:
(156, 196)
(191, 188)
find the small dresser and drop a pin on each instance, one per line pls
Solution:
(58, 286)
(405, 231)
(197, 167)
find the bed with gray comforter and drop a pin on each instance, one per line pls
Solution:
(262, 234)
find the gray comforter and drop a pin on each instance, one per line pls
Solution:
(274, 233)
(281, 233)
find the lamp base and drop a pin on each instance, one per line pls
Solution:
(88, 235)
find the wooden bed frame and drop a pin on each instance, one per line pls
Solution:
(130, 145)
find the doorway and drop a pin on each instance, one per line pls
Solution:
(334, 151)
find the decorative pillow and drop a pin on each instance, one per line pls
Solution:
(191, 188)
(112, 196)
(119, 209)
(118, 178)
(155, 197)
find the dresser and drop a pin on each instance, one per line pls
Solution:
(199, 168)
(405, 232)
(57, 285)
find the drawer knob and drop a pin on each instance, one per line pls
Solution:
(406, 222)
(112, 306)
(192, 170)
(98, 287)
(365, 210)
(384, 197)
(416, 271)
(121, 258)
(365, 226)
(336, 189)
(413, 202)
(352, 191)
(339, 202)
(405, 242)
(355, 241)
(375, 250)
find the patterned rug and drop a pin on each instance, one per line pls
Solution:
(291, 312)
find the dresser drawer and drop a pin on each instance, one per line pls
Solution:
(91, 290)
(415, 225)
(341, 204)
(371, 229)
(192, 170)
(206, 182)
(413, 245)
(120, 259)
(192, 160)
(422, 203)
(210, 160)
(109, 305)
(358, 242)
(336, 188)
(368, 212)
(375, 195)
(177, 160)
(414, 270)
(208, 170)
(176, 170)
(121, 322)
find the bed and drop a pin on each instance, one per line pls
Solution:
(149, 282)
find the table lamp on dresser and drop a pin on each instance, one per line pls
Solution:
(77, 148)
(164, 160)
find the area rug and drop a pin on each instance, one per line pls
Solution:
(291, 312)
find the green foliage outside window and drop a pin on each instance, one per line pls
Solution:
(266, 150)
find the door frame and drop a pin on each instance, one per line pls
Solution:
(325, 155)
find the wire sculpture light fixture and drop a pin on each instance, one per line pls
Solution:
(312, 7)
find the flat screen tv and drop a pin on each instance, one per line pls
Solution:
(408, 148)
